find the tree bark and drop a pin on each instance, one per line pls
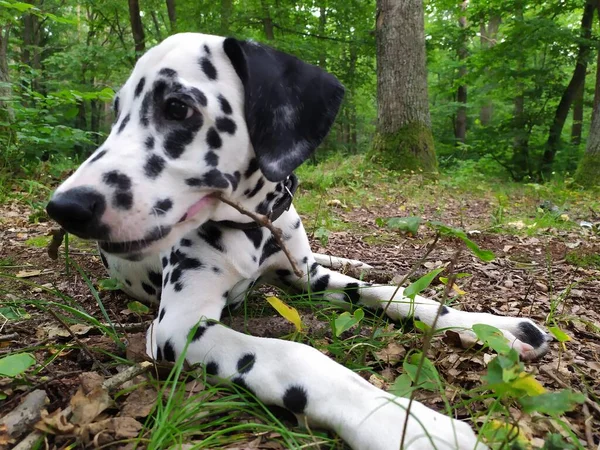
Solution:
(403, 140)
(488, 40)
(137, 28)
(564, 106)
(6, 110)
(460, 124)
(597, 85)
(172, 13)
(321, 31)
(226, 10)
(588, 171)
(267, 21)
(577, 126)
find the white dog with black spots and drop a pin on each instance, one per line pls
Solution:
(202, 115)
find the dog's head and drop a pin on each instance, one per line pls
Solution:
(199, 115)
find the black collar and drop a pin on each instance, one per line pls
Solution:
(283, 203)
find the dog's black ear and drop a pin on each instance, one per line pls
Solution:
(289, 105)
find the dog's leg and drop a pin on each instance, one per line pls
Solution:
(295, 376)
(526, 337)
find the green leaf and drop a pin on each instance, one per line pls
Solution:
(345, 321)
(559, 334)
(137, 307)
(11, 313)
(405, 224)
(492, 337)
(421, 284)
(484, 255)
(13, 365)
(109, 284)
(429, 378)
(322, 234)
(402, 386)
(552, 403)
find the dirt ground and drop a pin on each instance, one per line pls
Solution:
(529, 277)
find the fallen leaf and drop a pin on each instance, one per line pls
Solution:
(87, 407)
(140, 402)
(28, 273)
(391, 354)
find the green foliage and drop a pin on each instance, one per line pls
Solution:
(15, 364)
(345, 321)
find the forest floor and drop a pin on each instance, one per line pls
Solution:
(546, 267)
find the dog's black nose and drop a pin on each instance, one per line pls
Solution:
(79, 211)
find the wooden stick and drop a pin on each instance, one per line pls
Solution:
(265, 222)
(25, 414)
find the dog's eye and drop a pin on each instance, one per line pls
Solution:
(177, 110)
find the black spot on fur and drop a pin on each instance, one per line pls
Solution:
(128, 283)
(252, 167)
(155, 278)
(139, 88)
(213, 178)
(165, 261)
(530, 334)
(199, 96)
(148, 289)
(226, 125)
(182, 263)
(283, 273)
(185, 242)
(444, 311)
(123, 200)
(208, 68)
(177, 140)
(259, 185)
(314, 268)
(212, 159)
(169, 352)
(295, 399)
(213, 139)
(225, 106)
(321, 284)
(154, 166)
(206, 49)
(159, 355)
(246, 362)
(161, 315)
(98, 156)
(144, 111)
(225, 294)
(201, 330)
(234, 179)
(178, 287)
(212, 368)
(116, 106)
(255, 235)
(114, 178)
(166, 72)
(149, 143)
(162, 206)
(297, 224)
(212, 235)
(270, 248)
(352, 291)
(124, 123)
(166, 279)
(215, 269)
(103, 259)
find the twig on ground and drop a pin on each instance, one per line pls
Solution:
(79, 342)
(24, 415)
(58, 234)
(587, 423)
(110, 384)
(265, 222)
(9, 337)
(567, 386)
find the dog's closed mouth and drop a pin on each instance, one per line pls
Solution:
(137, 245)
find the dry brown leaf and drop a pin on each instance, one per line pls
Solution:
(87, 407)
(391, 354)
(28, 273)
(119, 427)
(139, 403)
(55, 423)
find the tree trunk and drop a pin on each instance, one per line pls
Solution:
(321, 32)
(578, 115)
(588, 171)
(488, 40)
(172, 13)
(403, 140)
(226, 10)
(95, 120)
(267, 21)
(6, 110)
(137, 28)
(562, 110)
(460, 124)
(597, 85)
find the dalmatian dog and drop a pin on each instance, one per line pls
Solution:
(204, 115)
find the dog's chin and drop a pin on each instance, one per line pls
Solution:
(155, 242)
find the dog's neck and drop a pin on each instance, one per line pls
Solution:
(260, 196)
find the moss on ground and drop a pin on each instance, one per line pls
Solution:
(585, 258)
(588, 171)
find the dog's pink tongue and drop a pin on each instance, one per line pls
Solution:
(196, 207)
